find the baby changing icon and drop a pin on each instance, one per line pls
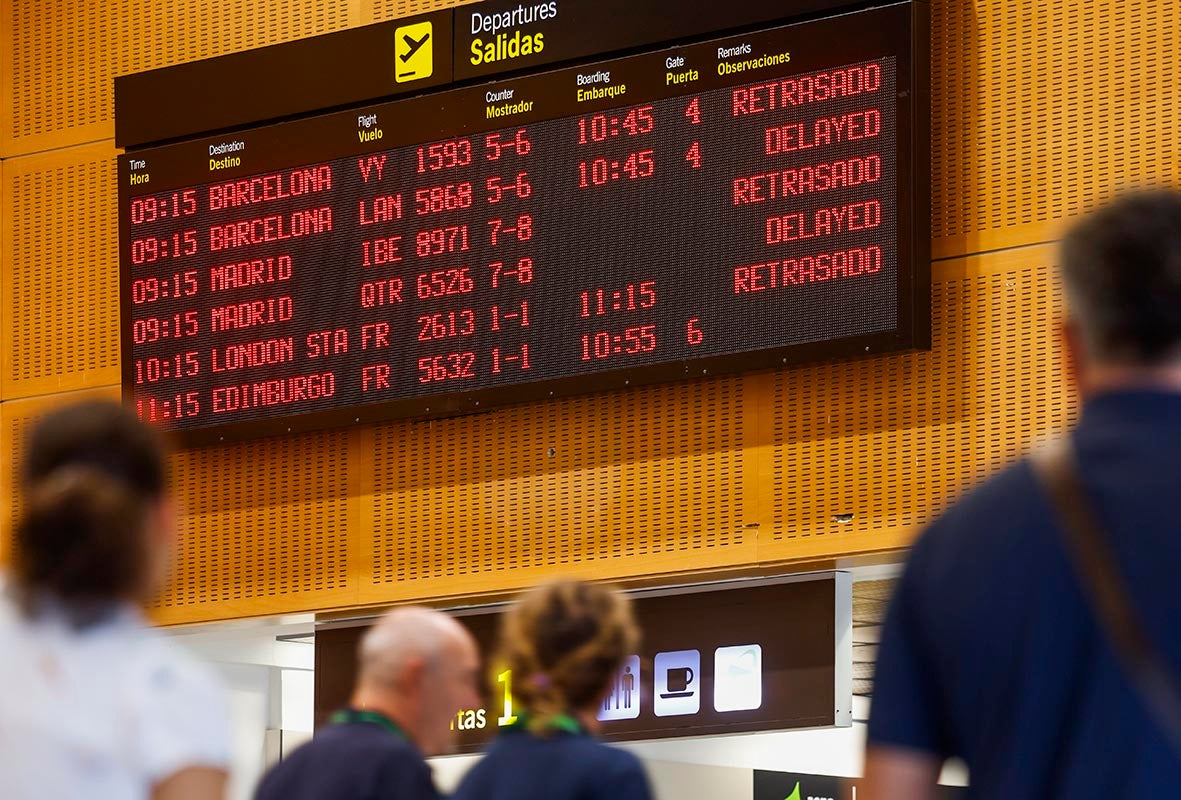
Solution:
(623, 700)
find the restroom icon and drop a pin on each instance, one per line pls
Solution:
(623, 699)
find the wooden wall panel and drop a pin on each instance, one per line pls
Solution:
(382, 10)
(1038, 112)
(16, 419)
(61, 57)
(5, 69)
(9, 495)
(1041, 110)
(266, 526)
(59, 263)
(864, 453)
(615, 485)
(4, 301)
(738, 473)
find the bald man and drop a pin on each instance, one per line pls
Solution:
(417, 668)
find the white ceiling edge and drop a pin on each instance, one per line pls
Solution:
(253, 642)
(876, 572)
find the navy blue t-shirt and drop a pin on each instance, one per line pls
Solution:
(989, 650)
(353, 761)
(564, 766)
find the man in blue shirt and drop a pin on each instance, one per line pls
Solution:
(991, 651)
(416, 667)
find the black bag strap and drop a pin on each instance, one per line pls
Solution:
(1094, 564)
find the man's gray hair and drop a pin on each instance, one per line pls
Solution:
(401, 636)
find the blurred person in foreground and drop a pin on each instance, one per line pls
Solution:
(566, 641)
(93, 703)
(417, 667)
(997, 647)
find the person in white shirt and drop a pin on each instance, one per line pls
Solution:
(93, 702)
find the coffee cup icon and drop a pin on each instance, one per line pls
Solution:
(677, 678)
(677, 682)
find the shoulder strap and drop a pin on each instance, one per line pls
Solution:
(1094, 564)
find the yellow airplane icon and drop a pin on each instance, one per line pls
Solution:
(414, 47)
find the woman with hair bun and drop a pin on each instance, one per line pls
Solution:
(93, 702)
(566, 641)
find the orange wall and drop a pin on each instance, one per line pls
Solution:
(1039, 110)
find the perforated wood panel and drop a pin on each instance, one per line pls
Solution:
(874, 448)
(61, 57)
(265, 527)
(59, 262)
(381, 10)
(4, 302)
(16, 419)
(5, 70)
(8, 466)
(1040, 110)
(615, 485)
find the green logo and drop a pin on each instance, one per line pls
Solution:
(795, 793)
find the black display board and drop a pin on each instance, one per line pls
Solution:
(386, 59)
(733, 204)
(510, 35)
(734, 659)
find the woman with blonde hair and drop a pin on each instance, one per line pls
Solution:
(566, 641)
(95, 704)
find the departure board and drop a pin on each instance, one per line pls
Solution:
(725, 205)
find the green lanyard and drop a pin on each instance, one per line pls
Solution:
(348, 716)
(559, 722)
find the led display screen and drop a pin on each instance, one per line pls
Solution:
(724, 205)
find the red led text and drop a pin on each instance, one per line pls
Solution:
(381, 209)
(375, 376)
(444, 282)
(381, 251)
(824, 131)
(371, 167)
(436, 242)
(808, 269)
(279, 186)
(253, 354)
(522, 273)
(296, 389)
(453, 366)
(381, 293)
(446, 324)
(839, 174)
(375, 335)
(807, 89)
(445, 155)
(274, 228)
(450, 197)
(257, 271)
(327, 343)
(824, 222)
(247, 315)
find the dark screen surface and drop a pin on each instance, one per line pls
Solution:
(571, 30)
(734, 204)
(252, 87)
